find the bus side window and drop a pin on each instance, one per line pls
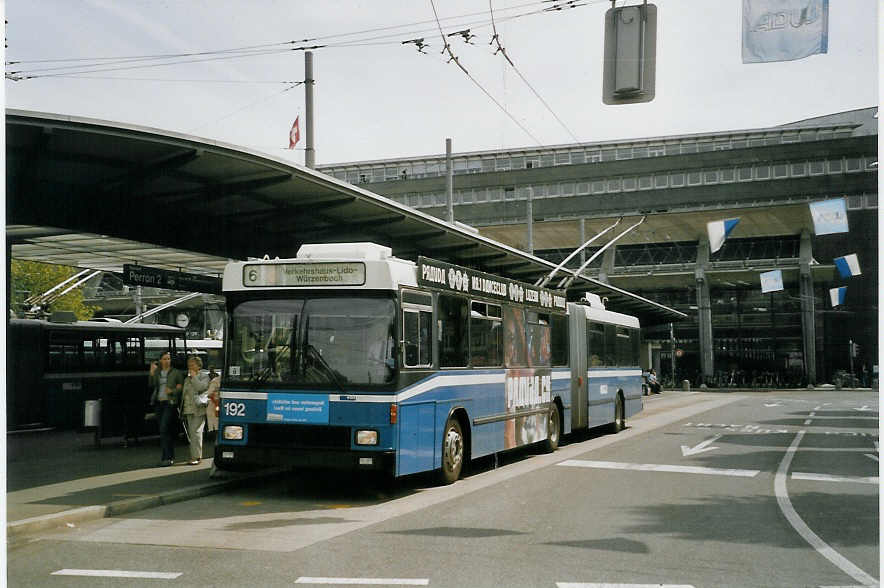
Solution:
(486, 336)
(454, 314)
(624, 347)
(410, 325)
(417, 329)
(538, 339)
(559, 339)
(426, 337)
(514, 340)
(610, 345)
(595, 344)
(635, 339)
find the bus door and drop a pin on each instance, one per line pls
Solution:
(417, 435)
(578, 352)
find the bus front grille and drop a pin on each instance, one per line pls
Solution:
(294, 436)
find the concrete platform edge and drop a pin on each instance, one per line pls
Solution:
(21, 528)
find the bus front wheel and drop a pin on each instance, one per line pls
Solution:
(452, 451)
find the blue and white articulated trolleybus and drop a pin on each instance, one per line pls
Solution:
(347, 357)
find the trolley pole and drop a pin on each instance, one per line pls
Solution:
(309, 152)
(449, 181)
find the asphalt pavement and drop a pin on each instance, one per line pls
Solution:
(693, 492)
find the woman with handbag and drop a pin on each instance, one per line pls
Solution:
(193, 406)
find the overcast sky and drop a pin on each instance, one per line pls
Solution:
(377, 98)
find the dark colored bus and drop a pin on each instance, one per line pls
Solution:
(54, 368)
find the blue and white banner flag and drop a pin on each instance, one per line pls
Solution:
(848, 266)
(837, 295)
(784, 30)
(772, 281)
(718, 232)
(829, 216)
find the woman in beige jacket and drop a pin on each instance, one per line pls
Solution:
(193, 406)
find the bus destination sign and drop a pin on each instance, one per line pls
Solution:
(438, 274)
(303, 274)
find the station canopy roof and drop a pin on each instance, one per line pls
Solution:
(98, 194)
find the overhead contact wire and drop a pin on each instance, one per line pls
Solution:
(447, 48)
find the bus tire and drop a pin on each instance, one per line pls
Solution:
(553, 428)
(619, 415)
(452, 451)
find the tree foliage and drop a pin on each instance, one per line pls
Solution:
(28, 278)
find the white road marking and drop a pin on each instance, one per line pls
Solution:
(828, 478)
(772, 405)
(609, 585)
(365, 581)
(801, 527)
(865, 408)
(648, 467)
(870, 456)
(118, 574)
(700, 447)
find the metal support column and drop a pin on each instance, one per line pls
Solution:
(529, 217)
(310, 151)
(808, 321)
(704, 312)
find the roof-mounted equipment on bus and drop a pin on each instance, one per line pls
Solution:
(366, 251)
(593, 300)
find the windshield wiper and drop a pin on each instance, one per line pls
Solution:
(309, 349)
(264, 374)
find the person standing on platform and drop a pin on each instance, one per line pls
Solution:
(214, 402)
(166, 383)
(194, 399)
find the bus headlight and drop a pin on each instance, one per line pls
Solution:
(366, 437)
(233, 433)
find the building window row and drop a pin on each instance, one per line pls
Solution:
(675, 179)
(412, 169)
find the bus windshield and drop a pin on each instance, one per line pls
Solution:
(313, 340)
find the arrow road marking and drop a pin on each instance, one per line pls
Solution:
(646, 467)
(865, 408)
(772, 405)
(699, 448)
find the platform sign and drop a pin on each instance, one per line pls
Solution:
(154, 277)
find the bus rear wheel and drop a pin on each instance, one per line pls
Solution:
(619, 415)
(452, 451)
(553, 428)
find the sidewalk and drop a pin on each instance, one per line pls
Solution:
(60, 477)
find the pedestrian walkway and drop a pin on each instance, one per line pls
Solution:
(55, 478)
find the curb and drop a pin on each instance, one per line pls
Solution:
(49, 521)
(18, 529)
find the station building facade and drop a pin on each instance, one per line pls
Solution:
(550, 200)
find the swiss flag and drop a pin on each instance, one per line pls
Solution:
(294, 134)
